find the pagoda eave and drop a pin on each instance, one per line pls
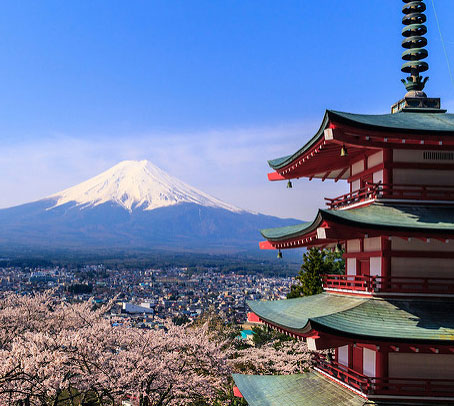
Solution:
(308, 389)
(332, 226)
(319, 338)
(366, 320)
(321, 158)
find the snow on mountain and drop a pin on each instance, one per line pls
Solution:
(136, 184)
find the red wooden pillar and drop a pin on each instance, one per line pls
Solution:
(357, 359)
(381, 366)
(350, 355)
(387, 166)
(386, 262)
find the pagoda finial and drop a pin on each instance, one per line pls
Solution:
(414, 43)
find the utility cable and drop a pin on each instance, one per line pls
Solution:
(443, 43)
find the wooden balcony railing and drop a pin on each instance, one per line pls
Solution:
(342, 373)
(414, 192)
(413, 387)
(364, 283)
(384, 386)
(361, 195)
(389, 191)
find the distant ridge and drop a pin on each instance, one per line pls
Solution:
(133, 206)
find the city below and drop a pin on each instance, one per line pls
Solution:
(143, 297)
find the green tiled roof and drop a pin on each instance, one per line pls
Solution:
(402, 122)
(285, 160)
(309, 389)
(277, 233)
(432, 219)
(379, 319)
(294, 314)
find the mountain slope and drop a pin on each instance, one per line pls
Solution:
(133, 205)
(136, 184)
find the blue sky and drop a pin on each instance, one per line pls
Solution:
(206, 89)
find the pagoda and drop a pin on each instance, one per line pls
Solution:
(389, 320)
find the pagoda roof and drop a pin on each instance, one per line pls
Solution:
(400, 320)
(441, 124)
(381, 216)
(308, 389)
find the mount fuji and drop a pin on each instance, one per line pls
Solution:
(133, 205)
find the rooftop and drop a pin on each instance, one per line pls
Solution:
(367, 318)
(382, 216)
(432, 128)
(309, 389)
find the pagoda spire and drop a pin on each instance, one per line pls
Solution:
(414, 44)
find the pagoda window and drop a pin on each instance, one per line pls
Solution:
(378, 176)
(427, 366)
(372, 244)
(357, 167)
(351, 266)
(375, 266)
(414, 176)
(342, 355)
(369, 362)
(422, 267)
(375, 159)
(353, 246)
(422, 258)
(356, 185)
(422, 245)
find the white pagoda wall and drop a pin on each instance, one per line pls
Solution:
(375, 159)
(372, 244)
(417, 156)
(429, 366)
(369, 245)
(369, 359)
(422, 177)
(422, 266)
(416, 176)
(410, 261)
(342, 355)
(352, 246)
(362, 165)
(415, 244)
(369, 362)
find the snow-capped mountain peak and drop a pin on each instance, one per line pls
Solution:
(136, 184)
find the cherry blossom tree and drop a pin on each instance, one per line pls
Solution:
(274, 357)
(55, 353)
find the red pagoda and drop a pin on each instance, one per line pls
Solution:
(389, 321)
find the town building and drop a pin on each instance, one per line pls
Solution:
(388, 323)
